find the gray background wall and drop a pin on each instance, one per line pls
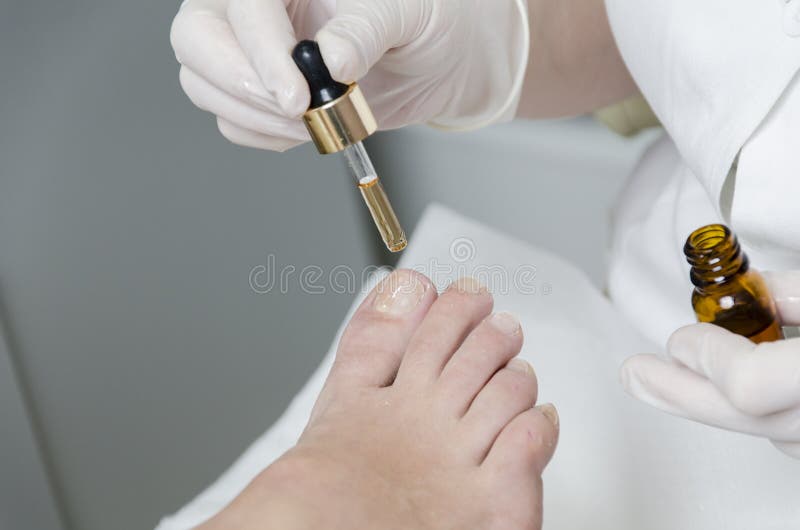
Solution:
(129, 227)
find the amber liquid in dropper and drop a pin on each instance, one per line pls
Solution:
(382, 213)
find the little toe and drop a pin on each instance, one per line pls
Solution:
(525, 446)
(451, 318)
(510, 392)
(493, 343)
(377, 336)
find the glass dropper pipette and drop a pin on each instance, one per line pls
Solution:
(338, 120)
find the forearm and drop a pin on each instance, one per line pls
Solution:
(574, 66)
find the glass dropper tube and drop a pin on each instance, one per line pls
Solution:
(374, 195)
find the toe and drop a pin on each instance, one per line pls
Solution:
(524, 447)
(513, 468)
(510, 392)
(376, 338)
(451, 318)
(493, 343)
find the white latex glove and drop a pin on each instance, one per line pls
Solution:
(457, 64)
(721, 379)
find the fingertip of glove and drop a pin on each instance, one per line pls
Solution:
(703, 337)
(689, 337)
(294, 98)
(791, 449)
(341, 56)
(625, 376)
(628, 372)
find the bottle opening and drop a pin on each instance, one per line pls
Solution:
(711, 244)
(715, 255)
(709, 237)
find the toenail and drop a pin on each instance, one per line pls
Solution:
(468, 285)
(505, 323)
(518, 365)
(549, 412)
(399, 294)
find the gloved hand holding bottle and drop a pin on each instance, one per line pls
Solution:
(455, 64)
(721, 379)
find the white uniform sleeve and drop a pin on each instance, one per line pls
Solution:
(711, 70)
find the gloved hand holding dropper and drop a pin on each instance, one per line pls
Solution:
(439, 62)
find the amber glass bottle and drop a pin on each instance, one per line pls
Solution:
(726, 291)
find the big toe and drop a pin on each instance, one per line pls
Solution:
(377, 336)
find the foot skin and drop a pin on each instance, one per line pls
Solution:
(426, 421)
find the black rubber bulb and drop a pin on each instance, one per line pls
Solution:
(323, 87)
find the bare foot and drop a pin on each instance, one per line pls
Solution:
(425, 422)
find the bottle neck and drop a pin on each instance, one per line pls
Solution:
(715, 256)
